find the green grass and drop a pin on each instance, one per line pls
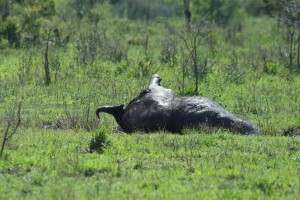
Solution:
(62, 151)
(57, 165)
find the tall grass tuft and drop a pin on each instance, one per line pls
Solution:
(99, 142)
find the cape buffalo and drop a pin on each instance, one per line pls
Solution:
(157, 109)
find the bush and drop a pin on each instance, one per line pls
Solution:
(221, 11)
(99, 141)
(10, 30)
(100, 43)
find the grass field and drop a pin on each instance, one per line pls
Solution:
(62, 151)
(56, 164)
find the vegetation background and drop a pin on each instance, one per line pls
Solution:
(61, 59)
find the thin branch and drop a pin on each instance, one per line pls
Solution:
(46, 64)
(4, 138)
(19, 120)
(6, 135)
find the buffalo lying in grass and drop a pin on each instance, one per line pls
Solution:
(157, 109)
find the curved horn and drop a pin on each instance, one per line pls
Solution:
(116, 111)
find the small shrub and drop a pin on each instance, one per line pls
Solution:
(10, 30)
(99, 142)
(99, 43)
(169, 50)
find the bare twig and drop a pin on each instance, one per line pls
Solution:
(191, 42)
(46, 64)
(19, 120)
(7, 136)
(4, 138)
